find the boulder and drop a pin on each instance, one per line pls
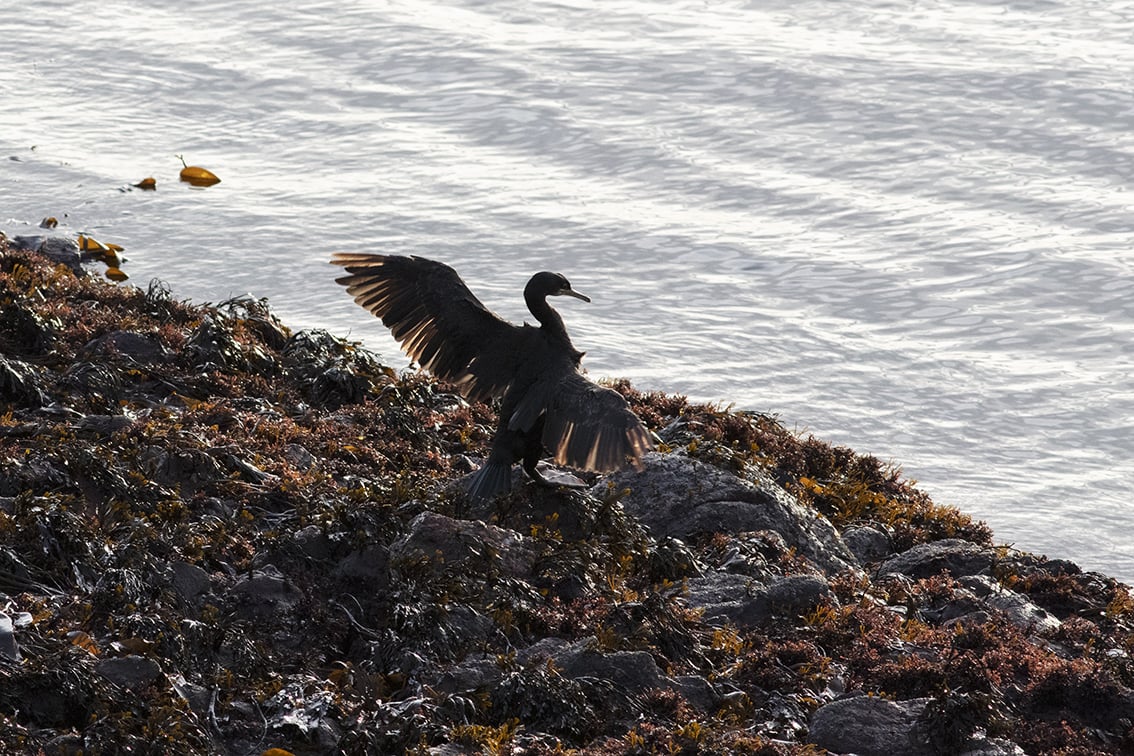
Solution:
(445, 543)
(1016, 607)
(870, 726)
(868, 543)
(266, 596)
(131, 672)
(739, 599)
(674, 495)
(634, 671)
(952, 555)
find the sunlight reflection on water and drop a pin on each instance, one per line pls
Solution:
(905, 229)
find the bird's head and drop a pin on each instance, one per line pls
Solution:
(548, 284)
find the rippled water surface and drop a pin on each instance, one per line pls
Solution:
(905, 227)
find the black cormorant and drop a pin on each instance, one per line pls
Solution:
(546, 401)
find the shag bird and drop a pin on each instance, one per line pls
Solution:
(545, 400)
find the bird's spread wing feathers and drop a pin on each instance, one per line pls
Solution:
(437, 320)
(586, 426)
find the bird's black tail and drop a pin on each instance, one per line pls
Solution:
(491, 479)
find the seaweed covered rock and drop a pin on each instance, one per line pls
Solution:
(221, 536)
(678, 496)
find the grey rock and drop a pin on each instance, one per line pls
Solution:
(21, 382)
(720, 595)
(200, 699)
(453, 749)
(103, 426)
(982, 745)
(635, 671)
(469, 675)
(188, 468)
(266, 596)
(314, 542)
(868, 544)
(368, 566)
(551, 648)
(697, 691)
(9, 649)
(673, 495)
(133, 346)
(131, 672)
(869, 726)
(1016, 607)
(447, 544)
(954, 555)
(744, 601)
(795, 594)
(58, 249)
(299, 457)
(189, 580)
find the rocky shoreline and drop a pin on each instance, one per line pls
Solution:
(218, 535)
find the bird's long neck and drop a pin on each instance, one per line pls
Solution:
(546, 315)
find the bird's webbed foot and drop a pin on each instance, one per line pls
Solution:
(561, 479)
(537, 476)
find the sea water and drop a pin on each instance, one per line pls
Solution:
(904, 227)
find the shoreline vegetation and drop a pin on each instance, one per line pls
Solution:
(220, 535)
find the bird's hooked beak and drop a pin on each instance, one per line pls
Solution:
(572, 293)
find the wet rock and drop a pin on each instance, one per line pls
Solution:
(266, 596)
(982, 745)
(721, 595)
(674, 495)
(952, 555)
(443, 543)
(9, 649)
(314, 542)
(634, 671)
(793, 595)
(299, 458)
(132, 672)
(20, 383)
(57, 249)
(870, 726)
(134, 347)
(64, 745)
(302, 716)
(24, 331)
(697, 691)
(188, 468)
(470, 675)
(671, 559)
(743, 601)
(102, 426)
(189, 581)
(1017, 608)
(200, 699)
(868, 544)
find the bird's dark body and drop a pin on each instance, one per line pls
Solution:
(545, 400)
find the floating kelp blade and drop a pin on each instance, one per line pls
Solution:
(116, 274)
(49, 222)
(197, 176)
(93, 249)
(90, 244)
(148, 183)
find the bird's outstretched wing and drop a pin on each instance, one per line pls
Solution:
(437, 320)
(586, 426)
